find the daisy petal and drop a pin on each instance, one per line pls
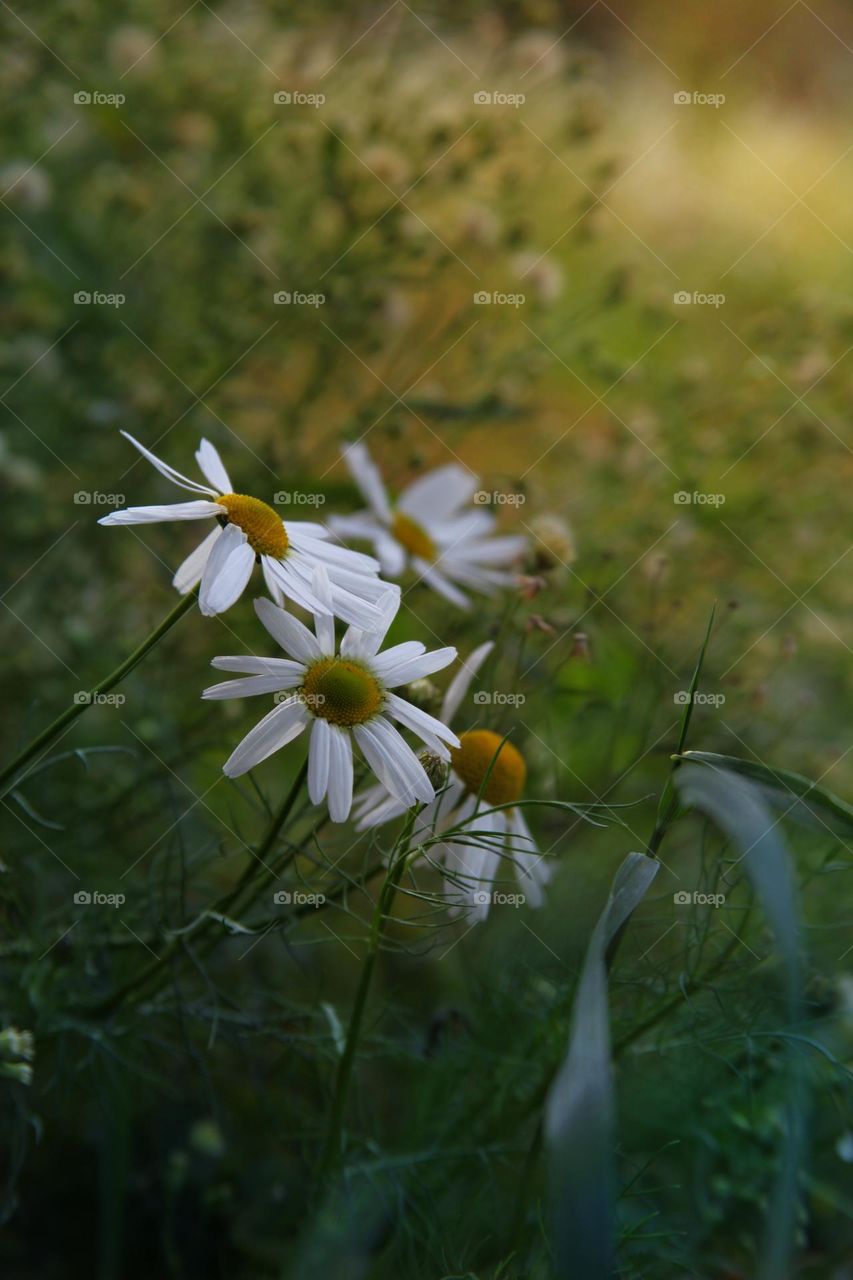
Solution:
(284, 723)
(420, 722)
(340, 774)
(212, 468)
(249, 665)
(369, 480)
(439, 582)
(439, 494)
(462, 681)
(393, 761)
(293, 636)
(319, 750)
(228, 569)
(324, 623)
(251, 686)
(397, 673)
(170, 473)
(189, 573)
(170, 511)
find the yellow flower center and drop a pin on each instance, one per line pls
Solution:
(473, 761)
(413, 537)
(342, 692)
(262, 526)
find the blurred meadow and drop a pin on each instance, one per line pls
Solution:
(273, 225)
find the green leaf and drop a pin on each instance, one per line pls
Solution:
(791, 791)
(579, 1110)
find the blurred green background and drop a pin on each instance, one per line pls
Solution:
(176, 193)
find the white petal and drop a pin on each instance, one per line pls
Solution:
(212, 467)
(420, 722)
(393, 761)
(272, 586)
(171, 511)
(392, 557)
(361, 525)
(170, 473)
(248, 664)
(284, 723)
(318, 760)
(324, 623)
(439, 582)
(340, 774)
(293, 636)
(492, 551)
(390, 658)
(402, 672)
(361, 643)
(228, 569)
(331, 553)
(369, 480)
(291, 584)
(461, 682)
(438, 494)
(252, 686)
(189, 573)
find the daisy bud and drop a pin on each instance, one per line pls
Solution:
(554, 545)
(435, 768)
(423, 693)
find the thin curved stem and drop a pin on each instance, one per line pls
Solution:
(85, 699)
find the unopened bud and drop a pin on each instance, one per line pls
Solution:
(435, 768)
(580, 647)
(423, 693)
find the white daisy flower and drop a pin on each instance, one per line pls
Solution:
(485, 770)
(429, 528)
(250, 531)
(346, 697)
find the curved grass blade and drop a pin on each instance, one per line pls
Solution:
(579, 1110)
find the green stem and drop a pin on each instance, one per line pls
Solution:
(396, 865)
(84, 700)
(221, 907)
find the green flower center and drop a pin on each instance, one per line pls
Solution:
(413, 537)
(262, 526)
(341, 692)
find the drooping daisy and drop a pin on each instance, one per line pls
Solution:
(250, 531)
(486, 770)
(346, 697)
(429, 528)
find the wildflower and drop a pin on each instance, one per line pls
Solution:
(346, 697)
(485, 771)
(429, 528)
(249, 532)
(555, 543)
